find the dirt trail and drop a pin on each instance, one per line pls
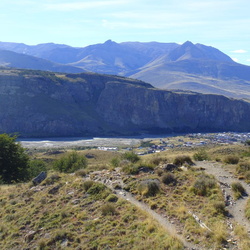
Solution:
(104, 177)
(225, 178)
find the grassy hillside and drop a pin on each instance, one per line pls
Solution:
(62, 213)
(93, 207)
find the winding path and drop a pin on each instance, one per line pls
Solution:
(225, 178)
(164, 222)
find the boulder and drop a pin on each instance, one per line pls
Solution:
(37, 180)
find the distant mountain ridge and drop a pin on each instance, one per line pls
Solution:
(188, 66)
(23, 61)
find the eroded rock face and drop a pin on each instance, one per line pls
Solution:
(46, 104)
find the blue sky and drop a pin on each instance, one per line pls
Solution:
(224, 24)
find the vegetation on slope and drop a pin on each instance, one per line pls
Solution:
(61, 213)
(69, 210)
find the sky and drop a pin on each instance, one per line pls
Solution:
(223, 24)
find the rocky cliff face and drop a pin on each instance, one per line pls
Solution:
(34, 103)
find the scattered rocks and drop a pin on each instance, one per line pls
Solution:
(37, 188)
(76, 201)
(29, 236)
(55, 189)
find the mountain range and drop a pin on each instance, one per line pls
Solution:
(193, 67)
(44, 104)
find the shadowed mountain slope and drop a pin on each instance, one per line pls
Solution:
(35, 103)
(17, 60)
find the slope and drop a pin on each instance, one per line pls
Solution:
(17, 60)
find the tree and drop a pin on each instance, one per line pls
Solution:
(14, 162)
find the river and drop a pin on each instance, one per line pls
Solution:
(71, 142)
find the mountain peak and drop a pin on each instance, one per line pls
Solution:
(185, 51)
(109, 42)
(187, 43)
(189, 51)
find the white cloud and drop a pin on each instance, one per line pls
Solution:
(248, 60)
(239, 51)
(235, 59)
(82, 5)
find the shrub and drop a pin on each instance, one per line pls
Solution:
(182, 159)
(108, 209)
(112, 198)
(115, 162)
(87, 185)
(149, 187)
(131, 156)
(80, 173)
(168, 179)
(219, 207)
(130, 169)
(51, 179)
(98, 190)
(243, 167)
(231, 159)
(201, 155)
(238, 190)
(157, 160)
(203, 185)
(70, 162)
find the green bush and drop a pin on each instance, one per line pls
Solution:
(238, 190)
(98, 190)
(243, 167)
(149, 187)
(51, 179)
(112, 198)
(203, 185)
(168, 179)
(80, 173)
(130, 169)
(231, 159)
(201, 155)
(87, 185)
(70, 162)
(182, 159)
(131, 156)
(157, 160)
(219, 207)
(108, 209)
(115, 162)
